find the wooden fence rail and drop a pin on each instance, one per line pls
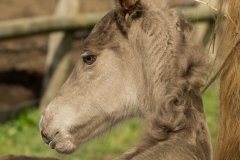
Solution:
(47, 24)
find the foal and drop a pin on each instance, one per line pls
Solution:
(140, 60)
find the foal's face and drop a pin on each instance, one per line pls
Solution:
(111, 79)
(104, 88)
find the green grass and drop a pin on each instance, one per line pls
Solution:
(210, 101)
(21, 135)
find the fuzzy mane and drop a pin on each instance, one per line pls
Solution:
(181, 110)
(182, 107)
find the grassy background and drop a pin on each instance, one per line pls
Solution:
(21, 136)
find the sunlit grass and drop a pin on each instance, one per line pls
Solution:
(21, 136)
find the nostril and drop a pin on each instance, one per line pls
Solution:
(47, 139)
(43, 135)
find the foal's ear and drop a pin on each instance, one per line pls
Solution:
(126, 5)
(129, 9)
(126, 12)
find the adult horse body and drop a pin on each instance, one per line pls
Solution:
(140, 60)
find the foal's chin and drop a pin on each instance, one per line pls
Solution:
(67, 143)
(63, 145)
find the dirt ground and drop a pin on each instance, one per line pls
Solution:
(22, 60)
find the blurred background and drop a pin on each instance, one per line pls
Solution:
(40, 41)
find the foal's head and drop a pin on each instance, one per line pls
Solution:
(127, 67)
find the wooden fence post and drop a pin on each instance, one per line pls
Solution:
(58, 57)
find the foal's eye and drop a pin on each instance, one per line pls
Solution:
(89, 59)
